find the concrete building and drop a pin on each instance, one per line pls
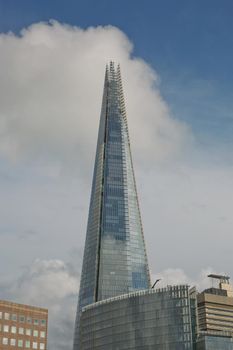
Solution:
(215, 316)
(215, 306)
(22, 326)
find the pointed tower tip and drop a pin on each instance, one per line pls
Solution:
(113, 65)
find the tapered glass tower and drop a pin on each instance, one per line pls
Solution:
(115, 260)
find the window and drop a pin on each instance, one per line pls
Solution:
(42, 346)
(29, 320)
(21, 330)
(12, 342)
(36, 322)
(4, 341)
(42, 334)
(28, 331)
(14, 317)
(43, 322)
(0, 315)
(34, 345)
(20, 343)
(35, 333)
(5, 328)
(13, 329)
(27, 344)
(6, 316)
(21, 318)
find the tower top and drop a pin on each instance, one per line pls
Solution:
(113, 72)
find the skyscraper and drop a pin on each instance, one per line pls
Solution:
(118, 309)
(115, 260)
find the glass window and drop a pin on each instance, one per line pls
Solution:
(13, 342)
(36, 322)
(28, 331)
(42, 334)
(14, 317)
(5, 328)
(21, 318)
(0, 315)
(42, 346)
(43, 322)
(35, 333)
(34, 345)
(6, 316)
(4, 341)
(27, 344)
(20, 343)
(29, 320)
(13, 329)
(21, 330)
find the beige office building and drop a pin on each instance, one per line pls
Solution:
(22, 327)
(215, 307)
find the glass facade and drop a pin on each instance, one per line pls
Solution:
(153, 319)
(115, 260)
(211, 342)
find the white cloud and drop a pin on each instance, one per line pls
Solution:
(46, 280)
(51, 89)
(171, 276)
(187, 212)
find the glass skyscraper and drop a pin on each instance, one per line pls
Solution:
(115, 260)
(118, 309)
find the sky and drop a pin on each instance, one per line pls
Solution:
(176, 62)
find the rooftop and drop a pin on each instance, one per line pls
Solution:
(22, 306)
(135, 294)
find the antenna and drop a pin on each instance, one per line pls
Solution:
(155, 283)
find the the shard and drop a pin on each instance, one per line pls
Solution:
(115, 260)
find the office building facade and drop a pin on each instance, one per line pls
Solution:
(215, 316)
(145, 320)
(22, 326)
(214, 341)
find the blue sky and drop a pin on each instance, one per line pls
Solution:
(189, 43)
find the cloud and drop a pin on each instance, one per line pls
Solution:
(174, 276)
(51, 284)
(51, 90)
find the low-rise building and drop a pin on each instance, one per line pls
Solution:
(22, 326)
